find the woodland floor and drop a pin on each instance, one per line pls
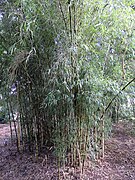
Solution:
(118, 164)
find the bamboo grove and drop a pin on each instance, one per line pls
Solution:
(65, 63)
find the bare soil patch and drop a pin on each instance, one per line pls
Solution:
(118, 164)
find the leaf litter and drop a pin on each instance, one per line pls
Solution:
(118, 163)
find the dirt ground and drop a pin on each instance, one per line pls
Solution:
(118, 164)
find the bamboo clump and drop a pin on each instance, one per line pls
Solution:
(56, 95)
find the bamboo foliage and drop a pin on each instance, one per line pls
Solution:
(60, 70)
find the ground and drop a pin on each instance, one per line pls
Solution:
(118, 164)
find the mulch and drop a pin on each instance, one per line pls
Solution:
(118, 163)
